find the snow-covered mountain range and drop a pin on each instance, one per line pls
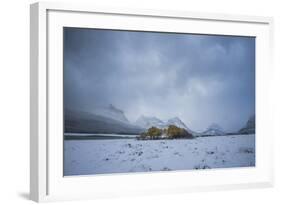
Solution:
(109, 119)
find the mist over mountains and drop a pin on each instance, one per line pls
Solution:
(109, 120)
(106, 120)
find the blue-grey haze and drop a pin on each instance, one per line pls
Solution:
(202, 79)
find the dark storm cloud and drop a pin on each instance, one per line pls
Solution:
(200, 78)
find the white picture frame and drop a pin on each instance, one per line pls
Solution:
(46, 179)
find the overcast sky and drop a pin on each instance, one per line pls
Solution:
(201, 79)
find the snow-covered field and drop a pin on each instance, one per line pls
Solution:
(86, 157)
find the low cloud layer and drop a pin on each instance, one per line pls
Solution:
(201, 79)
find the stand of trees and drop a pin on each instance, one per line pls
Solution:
(172, 132)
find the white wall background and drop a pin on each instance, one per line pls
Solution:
(14, 101)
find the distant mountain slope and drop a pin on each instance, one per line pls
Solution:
(83, 122)
(250, 127)
(111, 112)
(177, 122)
(147, 122)
(213, 130)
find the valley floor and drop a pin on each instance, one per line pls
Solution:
(87, 157)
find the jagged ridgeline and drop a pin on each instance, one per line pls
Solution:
(112, 120)
(171, 132)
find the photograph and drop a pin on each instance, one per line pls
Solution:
(150, 101)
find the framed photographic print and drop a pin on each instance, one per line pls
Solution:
(123, 97)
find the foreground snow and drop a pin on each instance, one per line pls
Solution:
(85, 157)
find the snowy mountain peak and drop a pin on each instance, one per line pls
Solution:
(214, 130)
(215, 127)
(111, 112)
(147, 122)
(177, 122)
